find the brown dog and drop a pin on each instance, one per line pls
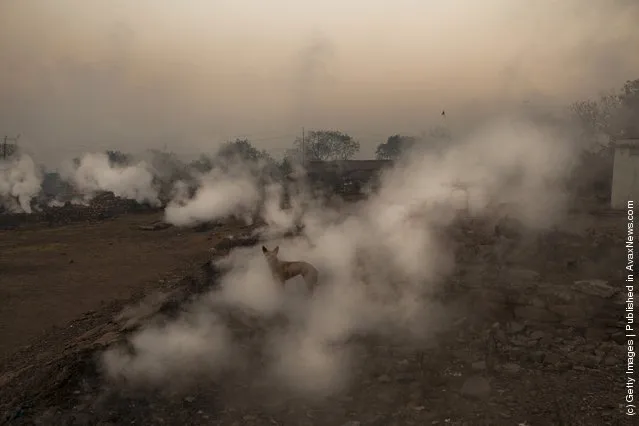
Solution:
(283, 271)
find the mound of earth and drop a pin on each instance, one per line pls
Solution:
(103, 206)
(530, 343)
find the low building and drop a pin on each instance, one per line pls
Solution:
(625, 175)
(346, 175)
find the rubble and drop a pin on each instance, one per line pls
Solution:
(528, 344)
(157, 226)
(102, 207)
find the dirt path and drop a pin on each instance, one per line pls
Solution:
(534, 342)
(50, 276)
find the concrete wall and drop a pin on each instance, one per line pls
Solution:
(625, 177)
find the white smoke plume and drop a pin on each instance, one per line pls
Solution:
(194, 344)
(380, 261)
(20, 182)
(94, 173)
(220, 193)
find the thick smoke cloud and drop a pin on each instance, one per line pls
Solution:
(20, 182)
(94, 173)
(380, 262)
(219, 194)
(194, 344)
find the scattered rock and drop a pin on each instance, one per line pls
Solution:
(132, 316)
(476, 387)
(511, 368)
(568, 311)
(537, 356)
(532, 313)
(576, 322)
(592, 361)
(552, 358)
(525, 275)
(158, 226)
(611, 361)
(596, 334)
(536, 302)
(598, 288)
(619, 338)
(516, 327)
(90, 334)
(478, 366)
(384, 378)
(107, 338)
(537, 335)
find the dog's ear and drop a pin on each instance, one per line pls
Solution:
(264, 249)
(276, 249)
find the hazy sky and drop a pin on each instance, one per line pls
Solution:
(87, 75)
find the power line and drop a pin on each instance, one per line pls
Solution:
(303, 149)
(290, 135)
(4, 145)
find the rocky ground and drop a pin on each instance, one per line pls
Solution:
(103, 206)
(534, 340)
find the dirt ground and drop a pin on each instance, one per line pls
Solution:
(535, 339)
(51, 275)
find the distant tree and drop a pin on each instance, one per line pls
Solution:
(8, 150)
(261, 161)
(286, 166)
(242, 149)
(393, 147)
(118, 158)
(327, 145)
(609, 116)
(203, 164)
(53, 185)
(597, 119)
(628, 120)
(168, 167)
(600, 121)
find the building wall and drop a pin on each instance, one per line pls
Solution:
(625, 177)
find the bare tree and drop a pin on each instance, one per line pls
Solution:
(393, 147)
(327, 145)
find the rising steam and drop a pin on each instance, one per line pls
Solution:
(379, 263)
(94, 173)
(20, 182)
(220, 194)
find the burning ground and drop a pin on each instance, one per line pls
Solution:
(423, 314)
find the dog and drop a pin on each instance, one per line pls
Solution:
(283, 271)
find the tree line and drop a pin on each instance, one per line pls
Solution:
(610, 116)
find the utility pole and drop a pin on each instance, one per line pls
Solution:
(303, 149)
(4, 145)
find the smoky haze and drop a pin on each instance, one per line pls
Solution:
(78, 78)
(380, 262)
(81, 77)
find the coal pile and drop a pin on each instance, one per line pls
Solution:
(102, 207)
